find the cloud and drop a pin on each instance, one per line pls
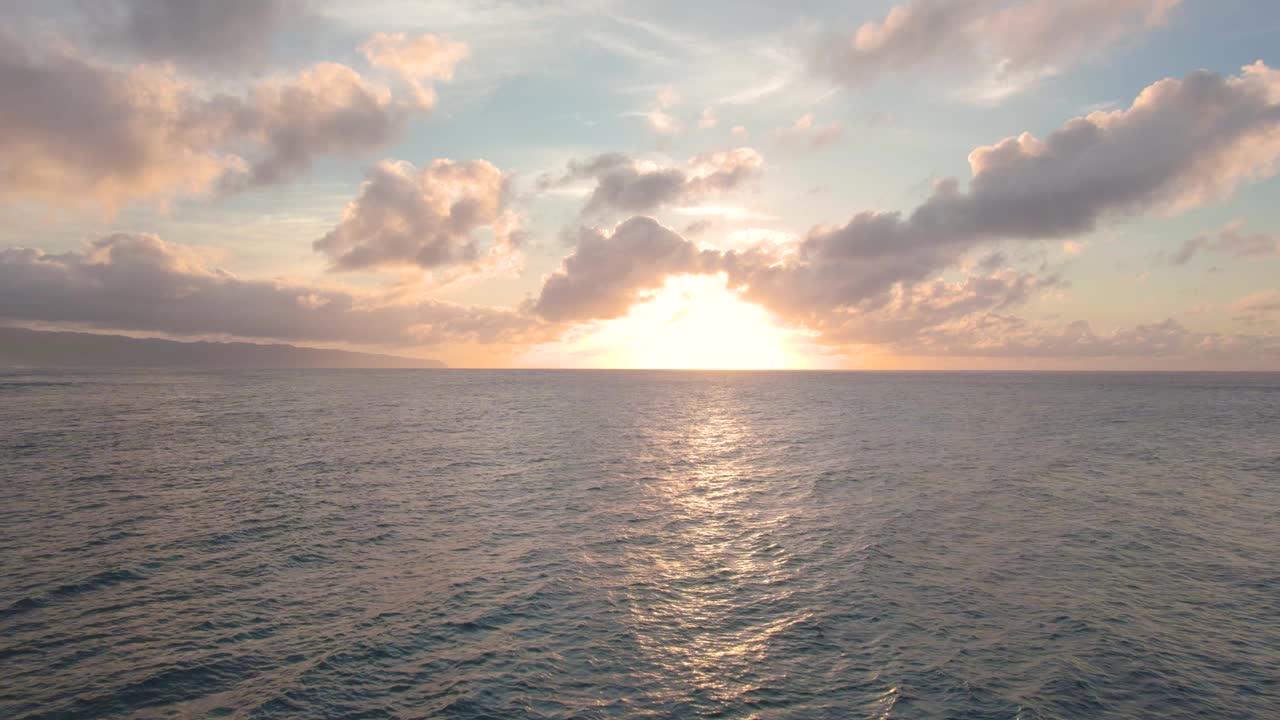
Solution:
(708, 118)
(327, 110)
(222, 35)
(1230, 240)
(1017, 41)
(416, 60)
(625, 185)
(877, 278)
(607, 272)
(1258, 307)
(427, 218)
(662, 123)
(805, 134)
(76, 132)
(1181, 143)
(966, 317)
(142, 283)
(995, 335)
(72, 131)
(908, 312)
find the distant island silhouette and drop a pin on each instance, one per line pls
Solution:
(20, 347)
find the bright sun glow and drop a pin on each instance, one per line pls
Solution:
(694, 323)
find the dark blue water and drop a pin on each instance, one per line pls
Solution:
(470, 544)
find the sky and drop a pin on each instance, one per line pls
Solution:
(922, 184)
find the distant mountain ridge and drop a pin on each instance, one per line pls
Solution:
(21, 347)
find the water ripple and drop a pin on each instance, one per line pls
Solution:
(462, 544)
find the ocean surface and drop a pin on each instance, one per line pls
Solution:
(543, 544)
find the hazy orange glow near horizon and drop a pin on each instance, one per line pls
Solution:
(691, 323)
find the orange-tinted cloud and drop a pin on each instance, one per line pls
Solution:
(1011, 41)
(77, 132)
(143, 283)
(425, 218)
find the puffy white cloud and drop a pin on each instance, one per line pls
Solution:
(142, 283)
(1017, 40)
(708, 118)
(630, 186)
(416, 60)
(662, 123)
(427, 218)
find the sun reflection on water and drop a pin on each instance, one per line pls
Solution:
(714, 589)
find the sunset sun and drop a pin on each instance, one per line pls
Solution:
(693, 322)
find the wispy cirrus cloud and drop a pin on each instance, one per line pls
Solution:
(806, 133)
(1008, 44)
(1258, 307)
(1231, 240)
(1003, 336)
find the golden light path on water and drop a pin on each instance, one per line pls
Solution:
(639, 544)
(692, 323)
(712, 601)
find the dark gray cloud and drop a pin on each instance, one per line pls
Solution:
(608, 271)
(426, 218)
(625, 185)
(73, 131)
(1016, 40)
(142, 283)
(201, 34)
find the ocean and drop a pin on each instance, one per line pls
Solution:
(631, 544)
